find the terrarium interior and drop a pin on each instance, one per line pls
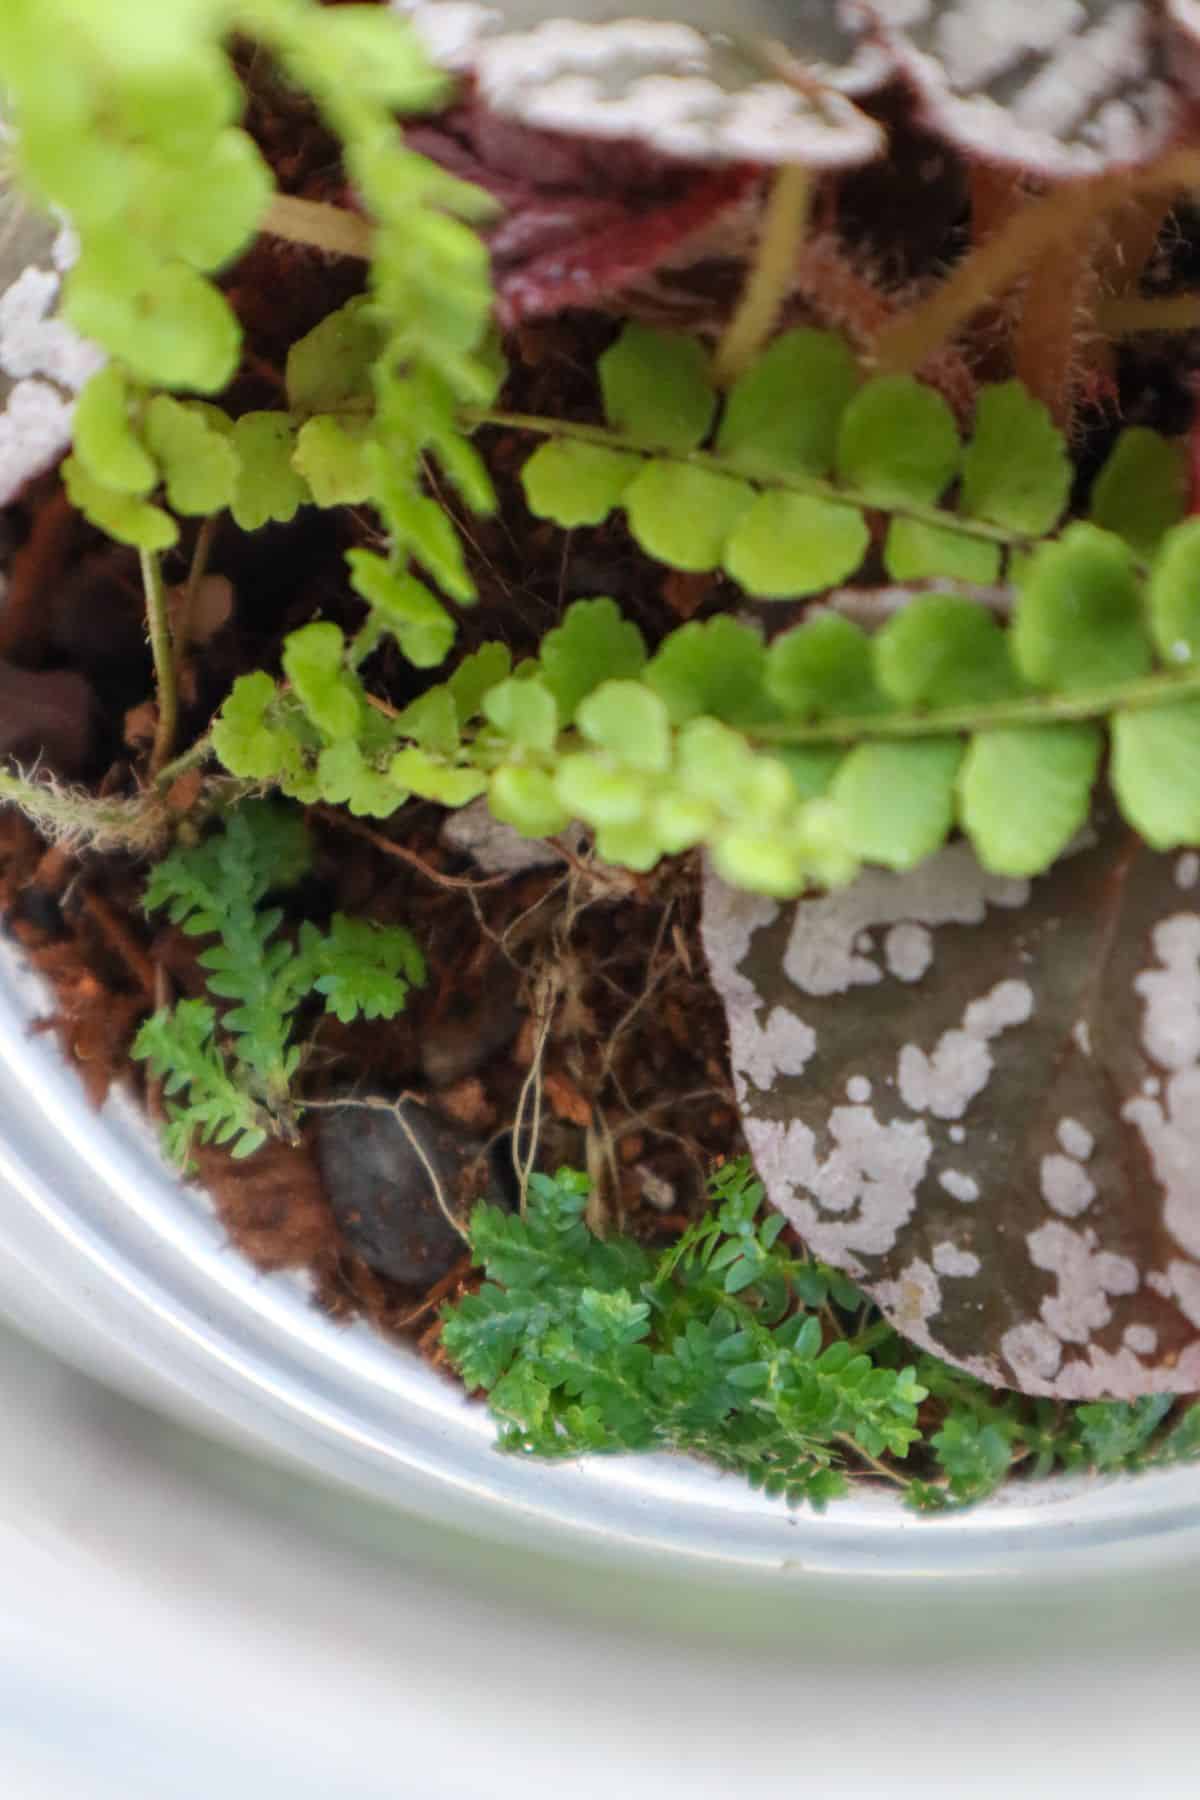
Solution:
(673, 603)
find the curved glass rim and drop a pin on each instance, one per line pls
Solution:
(127, 1260)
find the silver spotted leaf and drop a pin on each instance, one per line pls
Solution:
(1183, 28)
(1057, 87)
(709, 81)
(981, 1098)
(43, 362)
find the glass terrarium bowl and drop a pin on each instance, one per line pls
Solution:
(109, 1260)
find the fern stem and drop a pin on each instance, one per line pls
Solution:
(785, 224)
(1033, 232)
(1041, 709)
(720, 465)
(190, 758)
(159, 626)
(319, 225)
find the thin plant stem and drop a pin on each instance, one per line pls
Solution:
(319, 225)
(872, 1462)
(545, 999)
(191, 587)
(159, 626)
(543, 426)
(1060, 284)
(1043, 709)
(188, 759)
(1127, 313)
(785, 225)
(986, 273)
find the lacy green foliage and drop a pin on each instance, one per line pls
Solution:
(776, 484)
(228, 1078)
(731, 1347)
(126, 119)
(798, 761)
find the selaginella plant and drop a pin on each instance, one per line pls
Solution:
(732, 1347)
(937, 659)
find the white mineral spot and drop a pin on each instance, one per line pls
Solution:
(1066, 1186)
(35, 427)
(858, 1089)
(1152, 1087)
(957, 1134)
(1086, 1277)
(1031, 1350)
(1160, 1283)
(1081, 1031)
(1187, 869)
(860, 1196)
(450, 29)
(1120, 1375)
(1185, 1284)
(911, 1301)
(823, 954)
(34, 342)
(959, 1186)
(1140, 1338)
(783, 1046)
(728, 925)
(949, 1259)
(1169, 1118)
(960, 1067)
(1171, 1021)
(1076, 1139)
(908, 951)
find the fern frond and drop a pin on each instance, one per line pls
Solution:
(215, 889)
(180, 1046)
(362, 969)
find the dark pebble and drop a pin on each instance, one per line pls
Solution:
(381, 1192)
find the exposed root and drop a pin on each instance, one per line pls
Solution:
(75, 820)
(527, 1121)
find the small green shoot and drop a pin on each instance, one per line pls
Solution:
(228, 1077)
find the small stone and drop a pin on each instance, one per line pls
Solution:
(500, 849)
(655, 1191)
(380, 1164)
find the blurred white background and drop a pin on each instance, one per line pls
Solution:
(177, 1621)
